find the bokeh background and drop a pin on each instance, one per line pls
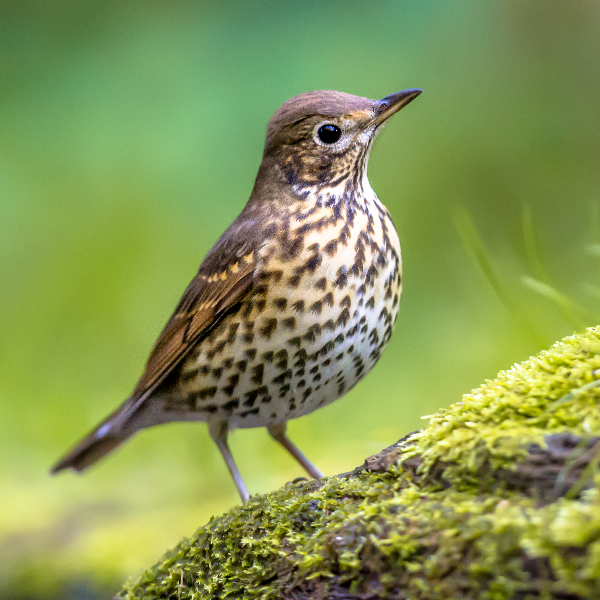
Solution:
(130, 135)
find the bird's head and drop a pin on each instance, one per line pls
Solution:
(323, 138)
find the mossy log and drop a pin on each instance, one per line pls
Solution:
(498, 497)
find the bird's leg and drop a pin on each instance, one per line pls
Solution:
(218, 432)
(277, 431)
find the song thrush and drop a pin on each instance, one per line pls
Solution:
(294, 303)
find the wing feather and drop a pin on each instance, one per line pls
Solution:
(204, 303)
(224, 280)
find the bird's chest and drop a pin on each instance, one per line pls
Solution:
(341, 271)
(330, 306)
(322, 309)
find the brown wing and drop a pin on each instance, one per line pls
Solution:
(206, 301)
(224, 279)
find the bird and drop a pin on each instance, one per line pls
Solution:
(294, 303)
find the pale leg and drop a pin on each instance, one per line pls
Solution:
(278, 433)
(218, 432)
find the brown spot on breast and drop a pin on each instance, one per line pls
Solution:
(329, 325)
(344, 235)
(189, 375)
(359, 261)
(261, 289)
(294, 281)
(257, 374)
(269, 327)
(342, 277)
(374, 337)
(298, 306)
(290, 322)
(375, 354)
(312, 332)
(316, 307)
(321, 283)
(252, 411)
(313, 262)
(208, 392)
(232, 332)
(233, 381)
(281, 378)
(301, 354)
(331, 247)
(251, 397)
(247, 309)
(343, 319)
(370, 276)
(293, 247)
(280, 303)
(268, 275)
(281, 359)
(232, 404)
(295, 341)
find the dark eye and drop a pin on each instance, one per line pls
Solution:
(329, 134)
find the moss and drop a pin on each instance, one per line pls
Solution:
(498, 497)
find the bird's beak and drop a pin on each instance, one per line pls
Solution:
(389, 105)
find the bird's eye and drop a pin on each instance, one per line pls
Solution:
(329, 134)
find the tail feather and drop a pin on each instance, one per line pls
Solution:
(93, 447)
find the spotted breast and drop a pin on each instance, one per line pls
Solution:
(314, 325)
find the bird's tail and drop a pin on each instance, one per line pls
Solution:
(102, 440)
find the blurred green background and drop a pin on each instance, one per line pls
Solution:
(130, 135)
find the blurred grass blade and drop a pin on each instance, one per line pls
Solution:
(474, 245)
(532, 245)
(472, 242)
(575, 314)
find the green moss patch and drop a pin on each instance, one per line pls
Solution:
(498, 497)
